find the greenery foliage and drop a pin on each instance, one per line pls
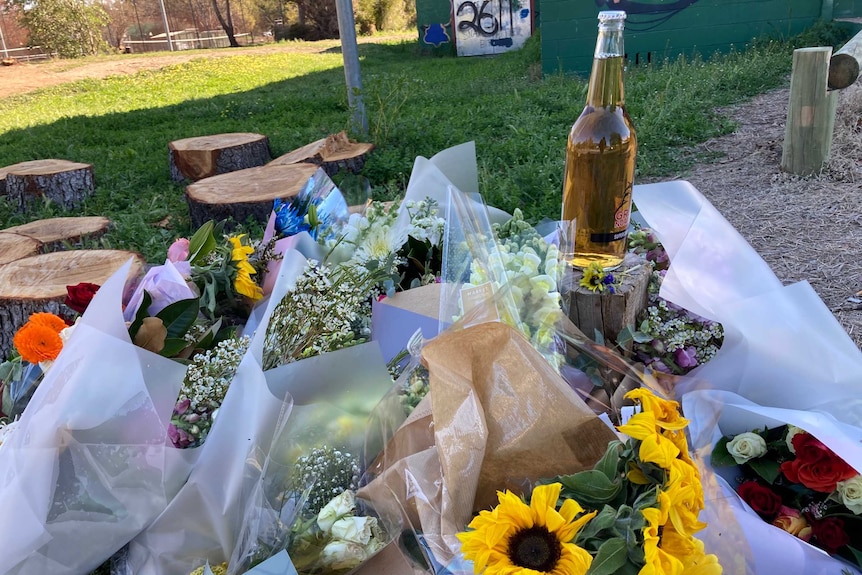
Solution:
(70, 28)
(416, 105)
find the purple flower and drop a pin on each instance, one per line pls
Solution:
(685, 357)
(179, 437)
(182, 406)
(658, 365)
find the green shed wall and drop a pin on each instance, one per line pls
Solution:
(568, 29)
(434, 24)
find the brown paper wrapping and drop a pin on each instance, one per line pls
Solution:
(502, 418)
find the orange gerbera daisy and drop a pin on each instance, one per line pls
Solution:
(48, 320)
(37, 342)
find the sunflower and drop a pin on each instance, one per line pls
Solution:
(657, 560)
(243, 283)
(654, 447)
(666, 412)
(516, 538)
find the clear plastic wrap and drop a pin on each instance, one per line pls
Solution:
(89, 464)
(334, 395)
(202, 522)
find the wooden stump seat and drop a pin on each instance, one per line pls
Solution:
(38, 283)
(194, 159)
(245, 193)
(63, 182)
(333, 153)
(16, 246)
(55, 233)
(608, 313)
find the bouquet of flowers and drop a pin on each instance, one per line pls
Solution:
(87, 465)
(796, 483)
(668, 338)
(636, 511)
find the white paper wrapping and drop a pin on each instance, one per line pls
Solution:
(89, 464)
(782, 347)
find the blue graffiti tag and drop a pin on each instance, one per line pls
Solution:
(435, 34)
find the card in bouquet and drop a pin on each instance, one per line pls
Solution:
(395, 319)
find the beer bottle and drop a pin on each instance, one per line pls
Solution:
(600, 157)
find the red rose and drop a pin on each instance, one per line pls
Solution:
(761, 498)
(78, 296)
(816, 466)
(829, 534)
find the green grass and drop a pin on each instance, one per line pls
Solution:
(416, 105)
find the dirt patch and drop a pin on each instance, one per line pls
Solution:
(804, 228)
(29, 76)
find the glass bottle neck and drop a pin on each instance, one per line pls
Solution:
(606, 78)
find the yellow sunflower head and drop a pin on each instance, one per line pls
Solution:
(528, 539)
(665, 411)
(243, 283)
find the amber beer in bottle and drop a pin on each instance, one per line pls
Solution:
(600, 157)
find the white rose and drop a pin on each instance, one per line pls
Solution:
(851, 494)
(792, 431)
(354, 529)
(336, 509)
(746, 446)
(342, 555)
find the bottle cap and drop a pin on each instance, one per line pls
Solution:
(611, 15)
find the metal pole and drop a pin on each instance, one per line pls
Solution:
(3, 40)
(347, 32)
(167, 28)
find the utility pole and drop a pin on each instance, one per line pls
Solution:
(167, 28)
(350, 53)
(3, 40)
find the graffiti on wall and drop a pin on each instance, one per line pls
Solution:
(645, 15)
(491, 26)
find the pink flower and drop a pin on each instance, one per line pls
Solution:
(179, 251)
(685, 357)
(793, 522)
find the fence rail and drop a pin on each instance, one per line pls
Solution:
(185, 41)
(32, 53)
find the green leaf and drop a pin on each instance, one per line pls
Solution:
(609, 464)
(179, 316)
(610, 558)
(146, 302)
(857, 555)
(720, 455)
(207, 339)
(201, 243)
(591, 488)
(768, 469)
(173, 345)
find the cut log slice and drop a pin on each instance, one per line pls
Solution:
(38, 283)
(3, 172)
(245, 193)
(56, 233)
(333, 153)
(16, 246)
(194, 159)
(608, 313)
(63, 182)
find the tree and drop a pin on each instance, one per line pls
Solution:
(71, 28)
(226, 22)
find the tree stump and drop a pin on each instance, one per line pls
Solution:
(64, 182)
(57, 233)
(194, 159)
(38, 283)
(245, 193)
(16, 246)
(332, 153)
(3, 172)
(608, 313)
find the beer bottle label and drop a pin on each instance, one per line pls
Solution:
(608, 237)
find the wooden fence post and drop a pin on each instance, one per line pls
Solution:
(844, 64)
(810, 114)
